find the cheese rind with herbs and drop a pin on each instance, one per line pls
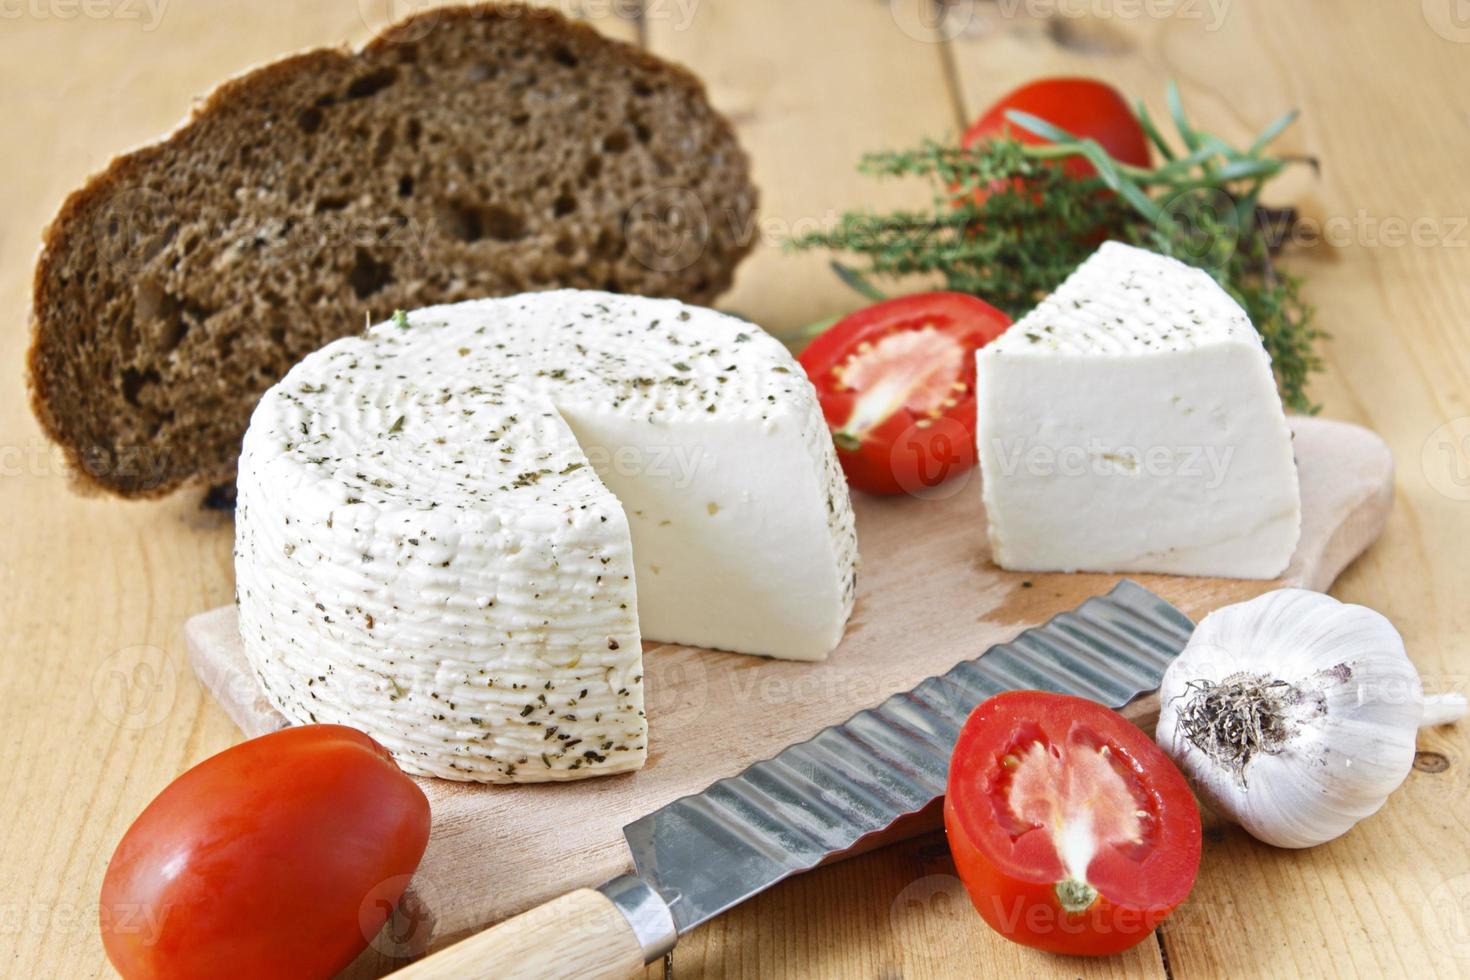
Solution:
(1131, 423)
(454, 531)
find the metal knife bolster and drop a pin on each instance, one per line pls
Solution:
(647, 914)
(702, 854)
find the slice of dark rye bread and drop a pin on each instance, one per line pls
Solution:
(465, 152)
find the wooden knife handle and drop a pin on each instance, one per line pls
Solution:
(580, 935)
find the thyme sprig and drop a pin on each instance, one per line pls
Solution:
(1008, 224)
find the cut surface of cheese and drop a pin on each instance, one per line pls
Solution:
(454, 531)
(1131, 423)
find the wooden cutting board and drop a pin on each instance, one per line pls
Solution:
(928, 598)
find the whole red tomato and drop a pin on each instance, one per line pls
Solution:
(897, 386)
(1082, 106)
(1071, 830)
(279, 857)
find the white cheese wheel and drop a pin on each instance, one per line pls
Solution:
(450, 528)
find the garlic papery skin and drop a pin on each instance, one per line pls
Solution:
(1295, 715)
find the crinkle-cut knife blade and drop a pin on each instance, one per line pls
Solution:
(703, 854)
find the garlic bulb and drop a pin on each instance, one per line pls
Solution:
(1295, 714)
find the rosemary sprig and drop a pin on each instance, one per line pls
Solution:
(1007, 224)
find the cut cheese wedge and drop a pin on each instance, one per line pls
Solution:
(1131, 423)
(454, 531)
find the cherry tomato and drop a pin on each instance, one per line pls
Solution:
(897, 385)
(1071, 830)
(1082, 106)
(279, 857)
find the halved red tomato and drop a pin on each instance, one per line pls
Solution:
(1071, 830)
(1083, 107)
(897, 386)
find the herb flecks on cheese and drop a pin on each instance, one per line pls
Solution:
(448, 527)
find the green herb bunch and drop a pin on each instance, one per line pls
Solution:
(1008, 224)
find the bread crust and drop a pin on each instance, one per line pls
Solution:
(96, 468)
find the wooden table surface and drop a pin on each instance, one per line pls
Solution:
(99, 711)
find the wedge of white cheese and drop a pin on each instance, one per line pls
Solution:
(1131, 423)
(454, 531)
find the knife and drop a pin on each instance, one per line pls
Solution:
(824, 798)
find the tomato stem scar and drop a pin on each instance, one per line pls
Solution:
(1075, 896)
